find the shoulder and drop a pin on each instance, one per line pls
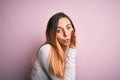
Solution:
(43, 55)
(44, 52)
(45, 47)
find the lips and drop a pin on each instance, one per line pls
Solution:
(67, 40)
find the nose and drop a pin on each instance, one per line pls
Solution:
(66, 33)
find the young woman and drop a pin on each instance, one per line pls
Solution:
(55, 60)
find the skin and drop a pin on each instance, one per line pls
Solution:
(65, 34)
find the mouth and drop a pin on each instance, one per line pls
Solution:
(67, 40)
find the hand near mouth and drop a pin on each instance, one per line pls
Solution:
(73, 40)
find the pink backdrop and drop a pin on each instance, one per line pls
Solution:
(22, 30)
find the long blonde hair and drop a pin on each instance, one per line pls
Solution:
(57, 63)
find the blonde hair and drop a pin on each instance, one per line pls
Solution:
(57, 62)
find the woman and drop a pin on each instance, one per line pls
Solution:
(55, 60)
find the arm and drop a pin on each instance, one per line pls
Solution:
(43, 60)
(40, 66)
(70, 66)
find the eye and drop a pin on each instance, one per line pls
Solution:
(69, 27)
(59, 31)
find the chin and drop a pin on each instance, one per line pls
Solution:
(67, 44)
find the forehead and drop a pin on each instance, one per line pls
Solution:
(63, 22)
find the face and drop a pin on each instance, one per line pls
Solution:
(64, 30)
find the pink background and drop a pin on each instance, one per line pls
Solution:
(22, 30)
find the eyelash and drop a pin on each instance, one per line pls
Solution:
(59, 30)
(69, 27)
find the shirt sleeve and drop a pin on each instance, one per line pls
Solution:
(43, 59)
(70, 66)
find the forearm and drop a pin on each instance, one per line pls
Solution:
(70, 66)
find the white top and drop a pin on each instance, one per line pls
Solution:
(41, 69)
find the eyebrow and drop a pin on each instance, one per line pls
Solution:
(68, 24)
(65, 26)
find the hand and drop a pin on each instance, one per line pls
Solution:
(73, 40)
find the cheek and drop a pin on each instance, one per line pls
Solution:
(59, 36)
(70, 31)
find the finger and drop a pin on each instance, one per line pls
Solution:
(73, 39)
(73, 36)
